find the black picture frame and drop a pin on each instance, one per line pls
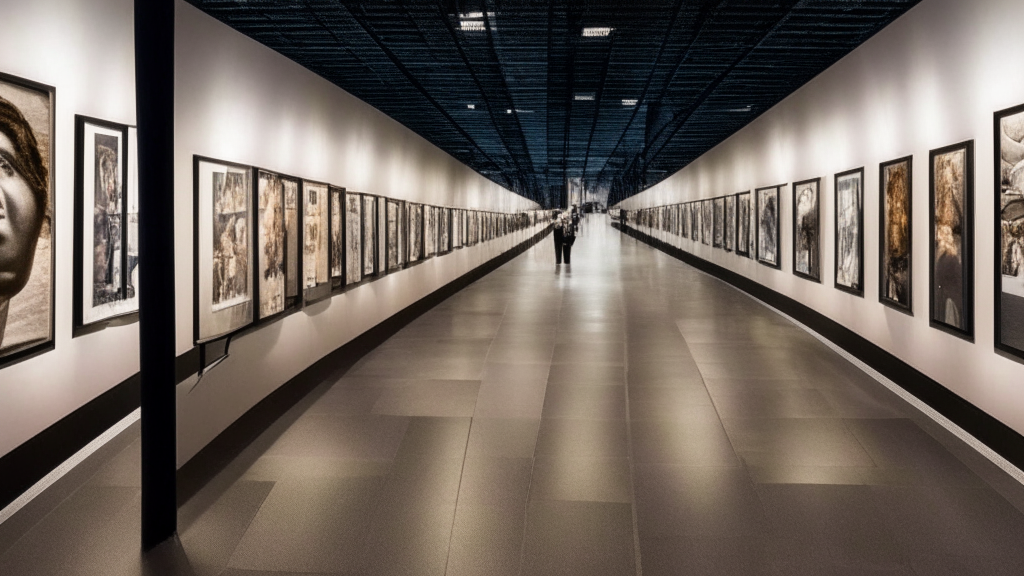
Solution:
(885, 236)
(243, 314)
(12, 354)
(718, 222)
(382, 241)
(856, 287)
(707, 222)
(813, 272)
(1009, 230)
(368, 261)
(338, 238)
(966, 245)
(444, 227)
(321, 287)
(353, 222)
(395, 234)
(743, 224)
(730, 223)
(768, 220)
(292, 302)
(124, 306)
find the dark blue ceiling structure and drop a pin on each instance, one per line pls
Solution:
(616, 95)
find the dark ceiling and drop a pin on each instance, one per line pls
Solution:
(531, 96)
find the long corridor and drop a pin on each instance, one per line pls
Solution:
(624, 414)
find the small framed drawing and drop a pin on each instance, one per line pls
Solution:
(951, 239)
(743, 224)
(708, 220)
(353, 238)
(1009, 228)
(696, 226)
(807, 229)
(767, 218)
(369, 228)
(106, 221)
(730, 223)
(415, 218)
(382, 239)
(276, 202)
(849, 240)
(395, 235)
(316, 234)
(27, 203)
(223, 249)
(718, 207)
(443, 226)
(337, 195)
(895, 234)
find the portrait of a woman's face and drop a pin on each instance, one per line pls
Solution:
(26, 252)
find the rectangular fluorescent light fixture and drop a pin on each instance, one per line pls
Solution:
(584, 97)
(596, 31)
(744, 109)
(472, 25)
(629, 101)
(471, 106)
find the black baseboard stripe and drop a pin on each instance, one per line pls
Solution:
(27, 464)
(1002, 439)
(223, 449)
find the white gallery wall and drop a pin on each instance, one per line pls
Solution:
(238, 101)
(932, 78)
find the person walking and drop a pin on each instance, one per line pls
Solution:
(559, 239)
(568, 238)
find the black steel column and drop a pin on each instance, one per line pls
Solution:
(154, 97)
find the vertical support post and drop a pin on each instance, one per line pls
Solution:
(154, 97)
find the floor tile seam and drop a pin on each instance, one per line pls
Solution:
(248, 525)
(458, 494)
(638, 561)
(947, 424)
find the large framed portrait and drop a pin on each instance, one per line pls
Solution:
(353, 238)
(708, 221)
(415, 218)
(27, 205)
(395, 235)
(730, 223)
(1009, 188)
(443, 226)
(951, 245)
(106, 219)
(767, 217)
(369, 228)
(743, 234)
(271, 256)
(895, 234)
(718, 208)
(849, 229)
(337, 236)
(807, 229)
(223, 248)
(316, 234)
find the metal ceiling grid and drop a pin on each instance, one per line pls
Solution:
(531, 94)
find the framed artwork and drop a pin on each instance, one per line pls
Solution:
(807, 229)
(106, 189)
(768, 226)
(708, 220)
(270, 242)
(382, 239)
(337, 235)
(316, 233)
(718, 207)
(684, 220)
(1009, 286)
(457, 228)
(293, 244)
(743, 224)
(369, 228)
(849, 230)
(444, 223)
(394, 236)
(951, 263)
(895, 234)
(415, 218)
(27, 253)
(695, 221)
(223, 249)
(730, 223)
(429, 231)
(353, 238)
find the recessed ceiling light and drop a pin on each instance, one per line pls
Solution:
(629, 101)
(596, 31)
(747, 108)
(583, 97)
(508, 111)
(471, 106)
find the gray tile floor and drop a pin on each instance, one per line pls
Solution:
(624, 414)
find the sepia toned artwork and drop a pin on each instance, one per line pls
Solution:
(895, 233)
(743, 224)
(26, 206)
(718, 207)
(337, 232)
(708, 221)
(106, 222)
(353, 238)
(685, 220)
(415, 231)
(730, 223)
(1009, 171)
(807, 229)
(292, 245)
(270, 244)
(369, 235)
(768, 227)
(951, 192)
(316, 234)
(394, 241)
(224, 251)
(849, 240)
(695, 221)
(443, 215)
(429, 231)
(382, 241)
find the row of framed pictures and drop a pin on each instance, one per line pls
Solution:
(747, 223)
(267, 243)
